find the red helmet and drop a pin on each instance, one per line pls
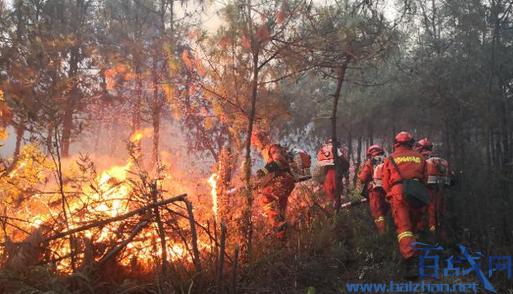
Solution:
(375, 150)
(424, 144)
(403, 138)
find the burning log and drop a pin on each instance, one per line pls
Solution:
(118, 218)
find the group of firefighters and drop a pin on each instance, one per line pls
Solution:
(383, 180)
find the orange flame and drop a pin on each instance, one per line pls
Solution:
(139, 134)
(212, 181)
(111, 197)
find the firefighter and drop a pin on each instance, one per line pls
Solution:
(274, 191)
(331, 175)
(370, 177)
(410, 165)
(438, 176)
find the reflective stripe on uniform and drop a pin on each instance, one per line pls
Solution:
(402, 159)
(432, 228)
(379, 219)
(404, 234)
(433, 180)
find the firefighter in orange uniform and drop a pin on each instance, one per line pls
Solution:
(438, 176)
(370, 176)
(326, 160)
(274, 194)
(411, 165)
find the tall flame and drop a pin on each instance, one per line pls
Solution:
(139, 134)
(212, 181)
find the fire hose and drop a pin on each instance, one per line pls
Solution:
(257, 183)
(354, 203)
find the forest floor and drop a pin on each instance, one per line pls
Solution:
(360, 256)
(323, 256)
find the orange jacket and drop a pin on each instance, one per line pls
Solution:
(411, 164)
(367, 174)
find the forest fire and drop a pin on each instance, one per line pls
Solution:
(110, 199)
(155, 146)
(139, 134)
(111, 195)
(212, 181)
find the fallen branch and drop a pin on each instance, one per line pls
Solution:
(117, 218)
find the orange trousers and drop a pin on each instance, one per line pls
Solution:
(379, 209)
(406, 218)
(274, 199)
(329, 184)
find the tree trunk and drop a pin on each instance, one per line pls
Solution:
(136, 109)
(358, 159)
(67, 125)
(224, 171)
(160, 226)
(20, 130)
(155, 114)
(338, 173)
(67, 120)
(49, 139)
(247, 160)
(350, 150)
(370, 128)
(447, 143)
(494, 17)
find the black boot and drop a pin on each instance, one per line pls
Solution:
(412, 268)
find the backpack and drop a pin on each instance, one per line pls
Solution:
(325, 157)
(377, 180)
(300, 163)
(438, 171)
